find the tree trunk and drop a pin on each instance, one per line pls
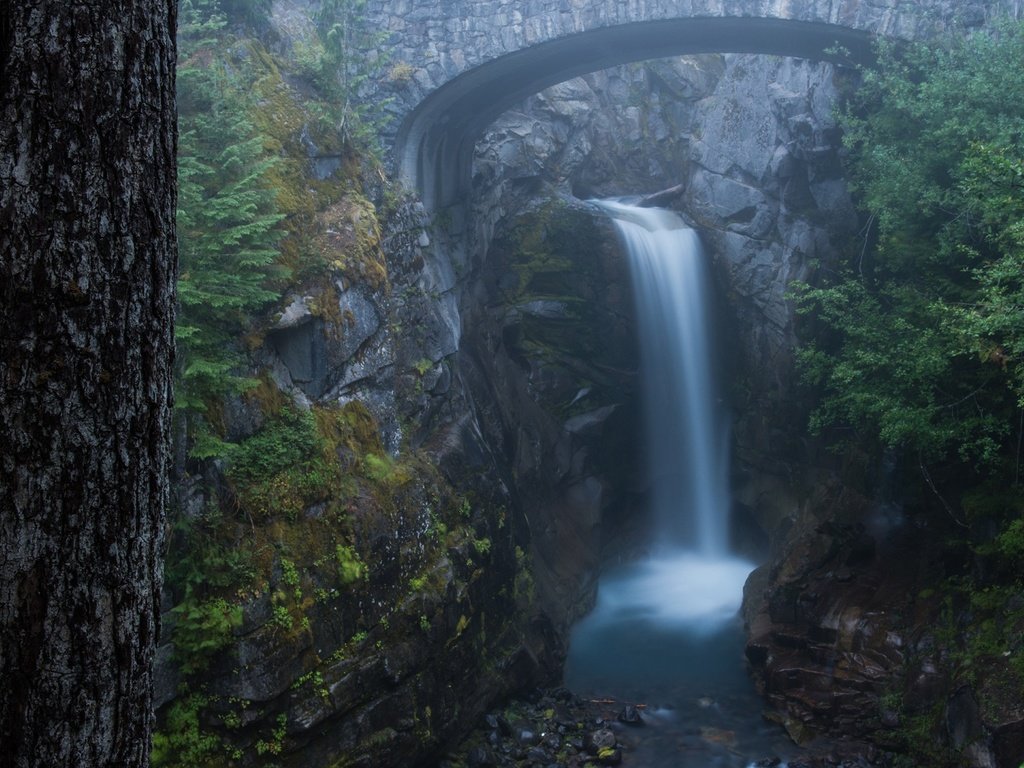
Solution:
(87, 262)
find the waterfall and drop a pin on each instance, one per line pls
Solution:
(686, 425)
(690, 578)
(665, 629)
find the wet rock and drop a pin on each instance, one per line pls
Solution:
(595, 741)
(360, 320)
(525, 735)
(296, 313)
(504, 726)
(480, 757)
(963, 718)
(302, 350)
(589, 424)
(630, 715)
(537, 755)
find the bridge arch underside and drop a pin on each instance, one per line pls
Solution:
(435, 143)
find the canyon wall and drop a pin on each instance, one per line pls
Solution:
(471, 377)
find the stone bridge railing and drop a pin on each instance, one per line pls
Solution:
(467, 61)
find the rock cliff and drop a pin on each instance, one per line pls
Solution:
(462, 393)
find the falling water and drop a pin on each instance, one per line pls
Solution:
(686, 424)
(665, 631)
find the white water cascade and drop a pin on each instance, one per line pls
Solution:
(687, 430)
(691, 574)
(665, 630)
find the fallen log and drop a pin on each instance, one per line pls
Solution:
(659, 199)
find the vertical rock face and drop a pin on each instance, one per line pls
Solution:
(485, 361)
(350, 577)
(494, 353)
(382, 608)
(549, 359)
(753, 145)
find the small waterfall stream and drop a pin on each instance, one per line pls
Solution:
(665, 633)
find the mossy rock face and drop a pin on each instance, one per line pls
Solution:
(348, 240)
(562, 289)
(368, 602)
(364, 606)
(554, 325)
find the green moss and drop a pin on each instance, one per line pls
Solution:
(281, 617)
(352, 429)
(384, 471)
(524, 586)
(289, 573)
(382, 737)
(300, 458)
(417, 583)
(349, 242)
(350, 567)
(548, 247)
(315, 679)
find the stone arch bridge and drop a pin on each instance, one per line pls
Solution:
(456, 65)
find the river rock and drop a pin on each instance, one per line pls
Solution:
(630, 715)
(480, 757)
(603, 738)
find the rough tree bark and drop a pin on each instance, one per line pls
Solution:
(87, 260)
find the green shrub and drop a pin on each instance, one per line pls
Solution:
(284, 442)
(203, 627)
(181, 743)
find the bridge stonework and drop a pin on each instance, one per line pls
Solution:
(470, 60)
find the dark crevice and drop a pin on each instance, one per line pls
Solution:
(6, 38)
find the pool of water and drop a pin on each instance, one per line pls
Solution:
(665, 635)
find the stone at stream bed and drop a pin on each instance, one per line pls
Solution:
(630, 715)
(595, 741)
(572, 732)
(525, 735)
(480, 757)
(548, 731)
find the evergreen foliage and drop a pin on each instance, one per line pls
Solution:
(924, 328)
(183, 742)
(920, 342)
(352, 54)
(251, 224)
(228, 224)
